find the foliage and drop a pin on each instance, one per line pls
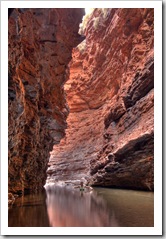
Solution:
(84, 22)
(82, 46)
(97, 21)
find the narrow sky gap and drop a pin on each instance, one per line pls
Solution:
(88, 10)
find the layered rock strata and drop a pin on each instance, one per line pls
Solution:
(109, 139)
(40, 46)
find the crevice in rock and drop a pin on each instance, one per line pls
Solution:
(87, 98)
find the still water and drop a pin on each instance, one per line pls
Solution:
(103, 207)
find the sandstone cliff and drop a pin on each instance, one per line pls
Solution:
(109, 139)
(40, 46)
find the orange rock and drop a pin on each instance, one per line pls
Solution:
(110, 96)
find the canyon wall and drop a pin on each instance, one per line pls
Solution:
(110, 137)
(40, 46)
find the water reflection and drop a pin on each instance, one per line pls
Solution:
(64, 207)
(132, 208)
(29, 211)
(71, 208)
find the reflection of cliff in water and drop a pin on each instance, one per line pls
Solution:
(29, 211)
(72, 208)
(103, 207)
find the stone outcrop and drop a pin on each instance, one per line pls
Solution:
(109, 139)
(40, 46)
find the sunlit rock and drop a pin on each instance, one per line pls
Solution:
(109, 138)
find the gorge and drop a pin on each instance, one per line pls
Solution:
(86, 99)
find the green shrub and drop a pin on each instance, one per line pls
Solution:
(97, 21)
(100, 20)
(84, 22)
(82, 46)
(105, 12)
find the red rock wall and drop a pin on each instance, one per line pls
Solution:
(109, 138)
(40, 46)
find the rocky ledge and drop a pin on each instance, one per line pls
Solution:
(110, 137)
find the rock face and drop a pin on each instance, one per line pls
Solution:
(109, 139)
(40, 46)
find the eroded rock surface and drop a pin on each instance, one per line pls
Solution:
(40, 46)
(109, 139)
